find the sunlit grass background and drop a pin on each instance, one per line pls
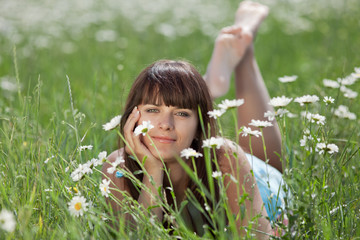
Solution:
(102, 46)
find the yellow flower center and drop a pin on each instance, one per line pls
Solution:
(77, 206)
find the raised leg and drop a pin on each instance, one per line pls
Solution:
(234, 51)
(230, 47)
(251, 87)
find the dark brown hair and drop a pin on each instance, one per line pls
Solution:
(173, 83)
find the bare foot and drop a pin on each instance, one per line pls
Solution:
(230, 47)
(250, 15)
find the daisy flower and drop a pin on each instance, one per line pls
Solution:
(278, 113)
(331, 83)
(286, 79)
(78, 173)
(247, 131)
(280, 101)
(104, 187)
(349, 80)
(343, 112)
(306, 99)
(114, 122)
(93, 163)
(115, 164)
(143, 128)
(216, 113)
(189, 152)
(323, 147)
(348, 93)
(82, 148)
(216, 174)
(356, 73)
(213, 142)
(7, 220)
(315, 118)
(77, 206)
(102, 157)
(260, 124)
(227, 104)
(327, 100)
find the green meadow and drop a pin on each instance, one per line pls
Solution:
(65, 73)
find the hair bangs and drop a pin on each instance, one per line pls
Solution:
(171, 90)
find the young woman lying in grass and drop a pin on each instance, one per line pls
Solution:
(170, 152)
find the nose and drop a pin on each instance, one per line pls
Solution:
(166, 122)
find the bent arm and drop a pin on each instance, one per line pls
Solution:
(118, 187)
(234, 163)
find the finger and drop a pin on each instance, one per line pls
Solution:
(129, 127)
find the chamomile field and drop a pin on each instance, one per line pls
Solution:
(66, 68)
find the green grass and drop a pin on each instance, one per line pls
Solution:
(37, 123)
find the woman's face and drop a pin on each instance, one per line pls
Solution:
(174, 129)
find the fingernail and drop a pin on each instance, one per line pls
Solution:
(137, 113)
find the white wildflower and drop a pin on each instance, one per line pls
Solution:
(343, 112)
(323, 147)
(348, 93)
(356, 73)
(78, 173)
(189, 152)
(280, 101)
(119, 160)
(87, 168)
(247, 131)
(216, 113)
(315, 118)
(291, 115)
(213, 142)
(102, 157)
(331, 83)
(8, 83)
(216, 174)
(260, 124)
(104, 187)
(7, 220)
(328, 100)
(143, 128)
(349, 80)
(114, 122)
(269, 115)
(306, 99)
(77, 206)
(332, 148)
(82, 148)
(93, 163)
(227, 104)
(286, 79)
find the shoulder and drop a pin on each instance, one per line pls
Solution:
(231, 156)
(115, 154)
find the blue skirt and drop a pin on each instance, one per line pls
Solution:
(270, 184)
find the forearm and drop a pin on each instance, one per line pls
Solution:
(150, 193)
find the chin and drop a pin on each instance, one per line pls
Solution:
(166, 156)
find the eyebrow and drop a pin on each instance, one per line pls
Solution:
(159, 105)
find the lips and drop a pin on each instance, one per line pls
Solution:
(163, 139)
